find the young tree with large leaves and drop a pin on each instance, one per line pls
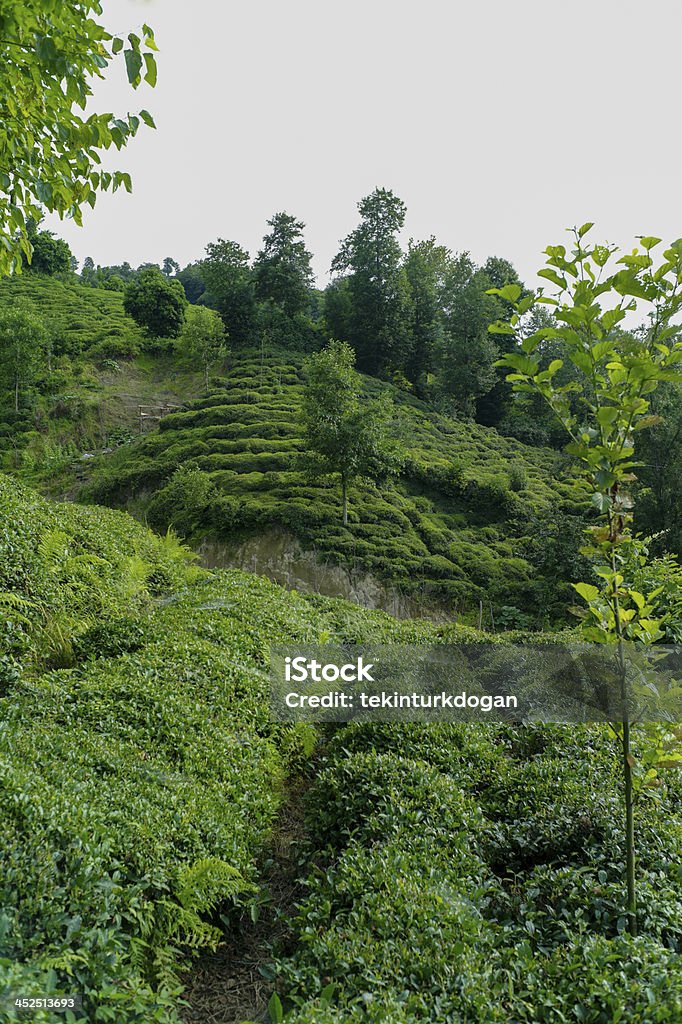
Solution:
(371, 259)
(346, 434)
(50, 151)
(617, 375)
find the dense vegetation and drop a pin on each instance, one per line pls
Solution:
(454, 872)
(474, 874)
(451, 873)
(141, 793)
(461, 524)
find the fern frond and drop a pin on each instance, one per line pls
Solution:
(206, 882)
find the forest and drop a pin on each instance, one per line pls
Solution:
(202, 464)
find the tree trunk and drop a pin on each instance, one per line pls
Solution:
(16, 394)
(344, 493)
(628, 793)
(629, 830)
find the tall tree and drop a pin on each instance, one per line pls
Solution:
(203, 338)
(230, 288)
(22, 347)
(493, 404)
(427, 265)
(282, 271)
(50, 153)
(345, 433)
(465, 353)
(170, 267)
(192, 281)
(659, 501)
(371, 258)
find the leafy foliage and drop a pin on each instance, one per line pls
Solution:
(50, 53)
(156, 303)
(470, 873)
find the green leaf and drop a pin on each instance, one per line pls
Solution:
(607, 415)
(649, 241)
(585, 228)
(510, 292)
(275, 1009)
(551, 275)
(587, 591)
(133, 65)
(151, 72)
(517, 361)
(147, 118)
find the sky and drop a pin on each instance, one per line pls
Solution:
(499, 125)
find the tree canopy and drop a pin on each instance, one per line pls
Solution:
(346, 433)
(156, 303)
(282, 270)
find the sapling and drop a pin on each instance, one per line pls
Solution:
(602, 411)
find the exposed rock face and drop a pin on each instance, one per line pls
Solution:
(281, 557)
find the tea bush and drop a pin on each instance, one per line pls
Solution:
(473, 873)
(455, 526)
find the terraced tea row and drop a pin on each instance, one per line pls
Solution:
(460, 525)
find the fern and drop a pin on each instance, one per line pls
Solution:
(16, 606)
(206, 882)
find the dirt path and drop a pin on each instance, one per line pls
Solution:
(227, 987)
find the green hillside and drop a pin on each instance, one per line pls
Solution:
(453, 872)
(473, 517)
(80, 319)
(139, 772)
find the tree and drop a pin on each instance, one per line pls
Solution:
(345, 433)
(192, 281)
(371, 257)
(170, 267)
(50, 255)
(426, 266)
(230, 287)
(464, 354)
(22, 344)
(49, 152)
(493, 404)
(88, 273)
(618, 374)
(203, 337)
(282, 271)
(156, 303)
(659, 502)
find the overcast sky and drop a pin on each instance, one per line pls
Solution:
(498, 123)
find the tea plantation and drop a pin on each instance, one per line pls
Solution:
(452, 873)
(140, 773)
(474, 516)
(80, 319)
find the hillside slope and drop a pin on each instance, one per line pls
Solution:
(139, 774)
(80, 318)
(454, 872)
(473, 518)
